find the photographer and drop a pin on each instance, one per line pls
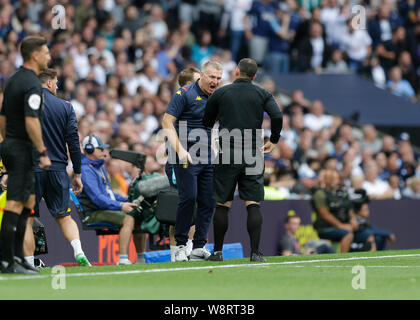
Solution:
(336, 220)
(99, 201)
(360, 201)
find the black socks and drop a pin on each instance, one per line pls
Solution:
(254, 223)
(8, 235)
(20, 232)
(220, 226)
(221, 223)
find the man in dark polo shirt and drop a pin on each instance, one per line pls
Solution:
(20, 125)
(193, 170)
(239, 108)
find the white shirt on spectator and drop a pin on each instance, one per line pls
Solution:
(234, 13)
(375, 188)
(329, 17)
(315, 123)
(79, 109)
(305, 171)
(100, 74)
(317, 52)
(81, 65)
(356, 43)
(386, 31)
(151, 85)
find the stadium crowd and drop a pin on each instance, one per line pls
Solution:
(117, 62)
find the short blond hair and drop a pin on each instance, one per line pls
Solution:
(212, 63)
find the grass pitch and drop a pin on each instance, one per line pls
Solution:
(387, 275)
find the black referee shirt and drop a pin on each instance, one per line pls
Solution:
(22, 98)
(241, 105)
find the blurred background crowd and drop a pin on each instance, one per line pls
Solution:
(118, 62)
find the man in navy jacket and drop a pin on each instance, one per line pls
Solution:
(100, 203)
(59, 131)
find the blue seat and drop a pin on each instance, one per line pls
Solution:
(101, 227)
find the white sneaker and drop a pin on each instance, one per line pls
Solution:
(123, 262)
(200, 254)
(181, 254)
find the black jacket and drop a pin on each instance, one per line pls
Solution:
(241, 105)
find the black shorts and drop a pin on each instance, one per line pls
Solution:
(19, 158)
(53, 186)
(226, 176)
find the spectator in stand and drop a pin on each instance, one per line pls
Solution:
(316, 120)
(412, 191)
(258, 33)
(375, 72)
(304, 28)
(159, 26)
(336, 64)
(313, 52)
(332, 19)
(233, 20)
(388, 50)
(382, 26)
(282, 34)
(388, 144)
(202, 51)
(356, 43)
(209, 14)
(408, 71)
(370, 139)
(399, 86)
(375, 188)
(381, 162)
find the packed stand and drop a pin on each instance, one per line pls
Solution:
(117, 62)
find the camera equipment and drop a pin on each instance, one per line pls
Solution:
(143, 191)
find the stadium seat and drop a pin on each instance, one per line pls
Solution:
(101, 228)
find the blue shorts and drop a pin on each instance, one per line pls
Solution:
(53, 186)
(332, 233)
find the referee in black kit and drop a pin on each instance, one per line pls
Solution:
(20, 125)
(239, 107)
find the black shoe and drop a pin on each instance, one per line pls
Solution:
(14, 268)
(257, 257)
(216, 256)
(25, 264)
(39, 264)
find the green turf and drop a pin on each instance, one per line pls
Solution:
(386, 278)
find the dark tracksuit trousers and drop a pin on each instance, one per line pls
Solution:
(195, 185)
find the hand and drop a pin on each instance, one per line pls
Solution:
(248, 34)
(184, 156)
(346, 226)
(77, 184)
(391, 239)
(3, 182)
(268, 147)
(44, 162)
(128, 207)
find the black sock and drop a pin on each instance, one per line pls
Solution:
(7, 235)
(254, 223)
(220, 226)
(20, 232)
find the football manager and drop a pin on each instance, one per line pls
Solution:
(240, 107)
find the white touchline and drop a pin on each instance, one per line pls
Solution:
(89, 274)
